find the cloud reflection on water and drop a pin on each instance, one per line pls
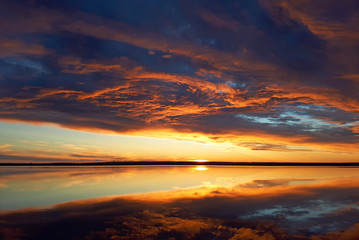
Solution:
(277, 208)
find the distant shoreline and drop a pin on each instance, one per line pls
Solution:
(186, 163)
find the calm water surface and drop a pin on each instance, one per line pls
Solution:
(164, 202)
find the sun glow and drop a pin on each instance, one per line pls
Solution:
(200, 160)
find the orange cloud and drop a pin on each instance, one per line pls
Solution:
(308, 14)
(14, 47)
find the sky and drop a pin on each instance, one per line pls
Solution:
(261, 80)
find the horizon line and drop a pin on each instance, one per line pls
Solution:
(182, 163)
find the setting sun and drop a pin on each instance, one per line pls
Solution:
(200, 160)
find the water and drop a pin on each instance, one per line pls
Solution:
(179, 202)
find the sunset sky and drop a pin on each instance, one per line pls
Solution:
(265, 80)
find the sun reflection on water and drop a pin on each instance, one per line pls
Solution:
(199, 168)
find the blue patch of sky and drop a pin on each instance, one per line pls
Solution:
(311, 123)
(25, 64)
(236, 84)
(316, 107)
(257, 119)
(289, 116)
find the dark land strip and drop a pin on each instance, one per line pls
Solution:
(188, 163)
